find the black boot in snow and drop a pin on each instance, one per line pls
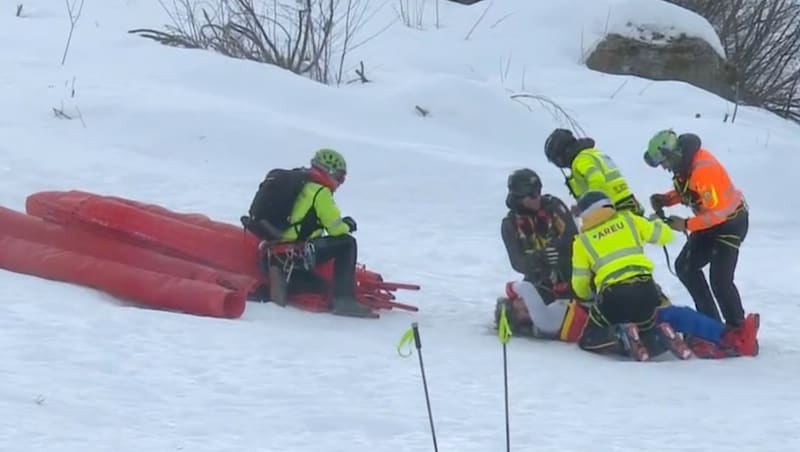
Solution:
(350, 307)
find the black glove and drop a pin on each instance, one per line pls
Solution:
(351, 223)
(541, 261)
(659, 201)
(536, 264)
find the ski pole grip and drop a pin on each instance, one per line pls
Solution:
(417, 342)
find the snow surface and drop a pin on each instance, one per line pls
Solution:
(195, 131)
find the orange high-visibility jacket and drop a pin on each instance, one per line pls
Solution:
(709, 191)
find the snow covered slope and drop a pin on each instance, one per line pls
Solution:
(196, 131)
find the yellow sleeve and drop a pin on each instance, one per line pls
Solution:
(581, 270)
(328, 213)
(586, 167)
(655, 231)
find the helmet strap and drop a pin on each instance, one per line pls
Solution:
(673, 159)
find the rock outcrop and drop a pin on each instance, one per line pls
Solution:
(682, 58)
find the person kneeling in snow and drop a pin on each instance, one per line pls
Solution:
(297, 207)
(537, 233)
(608, 255)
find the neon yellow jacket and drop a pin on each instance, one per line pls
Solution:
(594, 170)
(315, 211)
(610, 249)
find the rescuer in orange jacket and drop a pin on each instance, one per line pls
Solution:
(717, 229)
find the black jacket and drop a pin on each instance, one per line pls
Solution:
(527, 233)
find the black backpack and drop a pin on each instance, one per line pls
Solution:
(276, 195)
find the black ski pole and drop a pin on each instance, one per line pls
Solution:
(414, 332)
(504, 334)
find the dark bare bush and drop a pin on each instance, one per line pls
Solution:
(307, 37)
(762, 42)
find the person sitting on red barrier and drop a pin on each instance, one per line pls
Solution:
(295, 214)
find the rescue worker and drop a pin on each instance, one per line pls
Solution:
(537, 233)
(590, 169)
(315, 219)
(609, 265)
(717, 229)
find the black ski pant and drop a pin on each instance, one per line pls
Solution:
(631, 301)
(343, 249)
(717, 247)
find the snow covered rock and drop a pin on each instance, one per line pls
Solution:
(663, 42)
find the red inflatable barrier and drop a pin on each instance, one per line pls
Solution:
(184, 237)
(35, 229)
(58, 206)
(140, 286)
(235, 253)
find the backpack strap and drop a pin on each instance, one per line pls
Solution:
(310, 222)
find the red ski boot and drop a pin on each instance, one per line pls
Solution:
(628, 333)
(744, 338)
(704, 349)
(673, 342)
(748, 335)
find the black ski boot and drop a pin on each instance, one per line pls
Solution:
(350, 307)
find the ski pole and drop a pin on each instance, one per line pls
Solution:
(413, 333)
(504, 335)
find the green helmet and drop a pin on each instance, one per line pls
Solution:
(329, 161)
(663, 148)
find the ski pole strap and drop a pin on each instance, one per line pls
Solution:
(503, 327)
(405, 341)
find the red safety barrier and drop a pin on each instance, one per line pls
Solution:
(58, 206)
(192, 237)
(19, 225)
(166, 234)
(142, 287)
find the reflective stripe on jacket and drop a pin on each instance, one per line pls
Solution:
(709, 191)
(612, 251)
(593, 170)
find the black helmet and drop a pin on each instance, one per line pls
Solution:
(593, 200)
(524, 182)
(556, 147)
